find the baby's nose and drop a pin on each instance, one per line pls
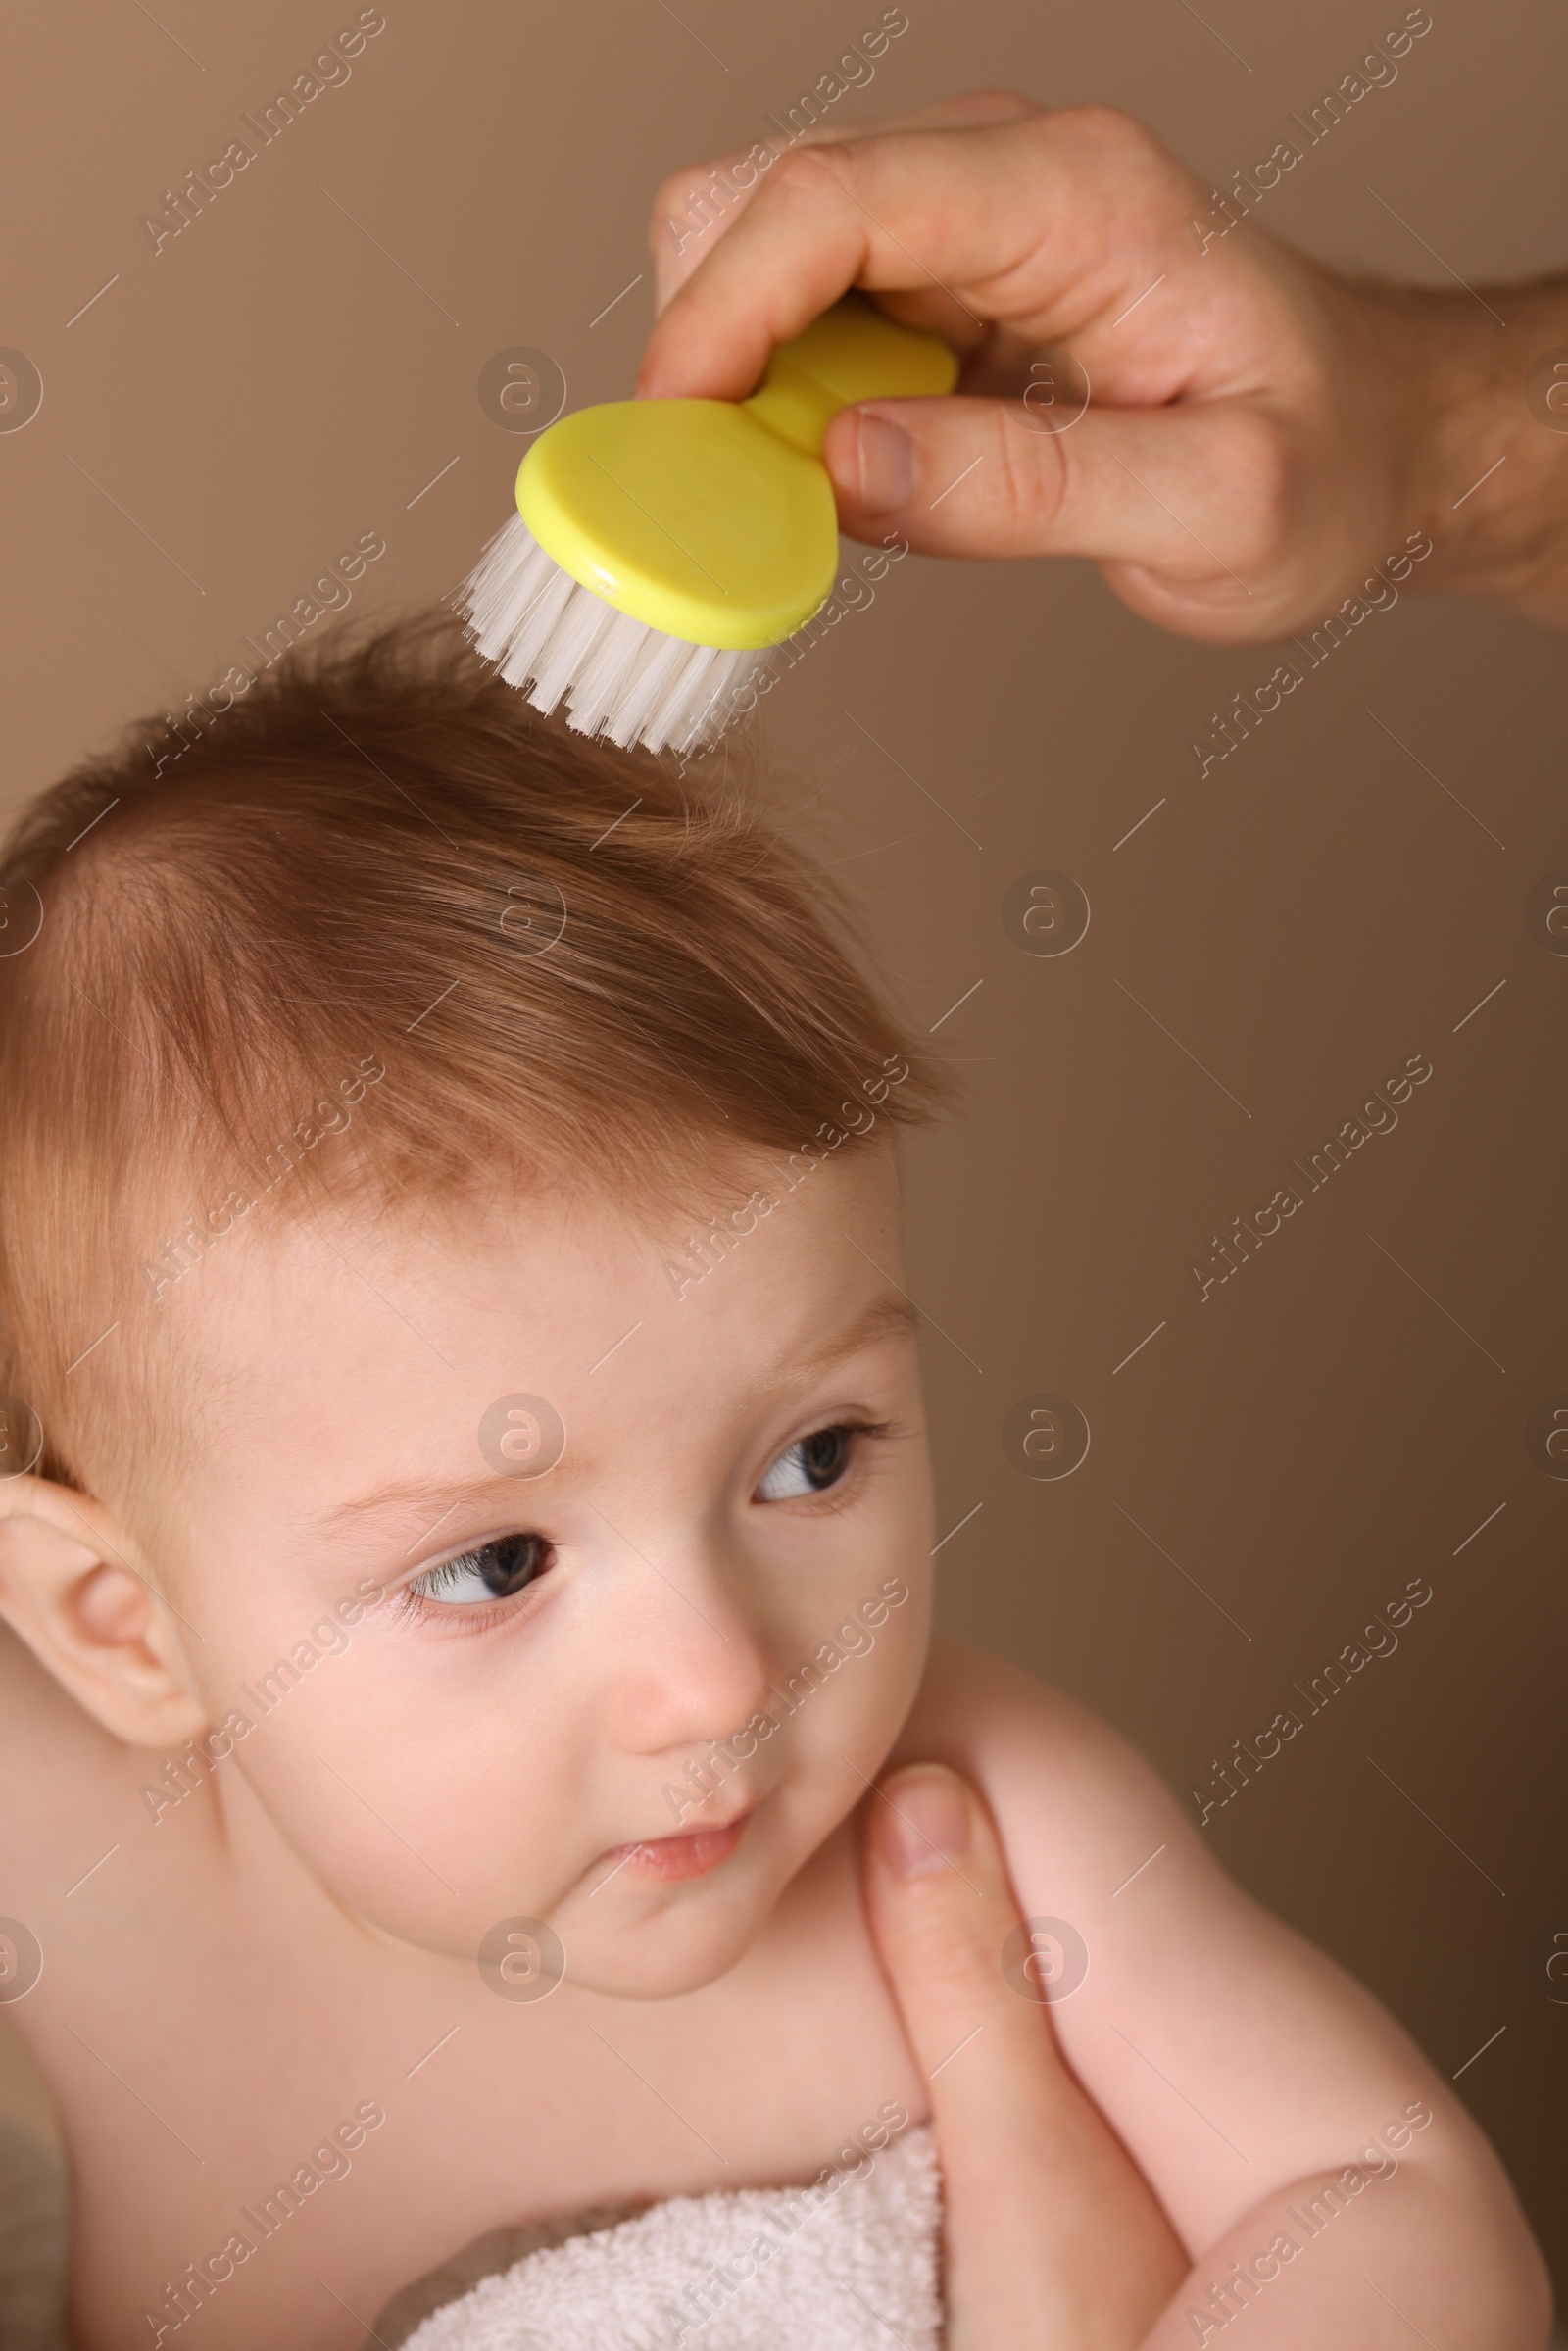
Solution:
(690, 1670)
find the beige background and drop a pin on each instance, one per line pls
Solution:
(300, 363)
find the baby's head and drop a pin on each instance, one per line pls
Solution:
(453, 1362)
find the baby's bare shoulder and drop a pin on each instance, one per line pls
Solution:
(1048, 1765)
(1159, 1969)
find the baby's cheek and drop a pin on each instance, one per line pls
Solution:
(860, 1704)
(422, 1805)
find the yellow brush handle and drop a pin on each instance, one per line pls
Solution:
(850, 353)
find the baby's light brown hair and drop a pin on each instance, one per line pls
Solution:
(382, 929)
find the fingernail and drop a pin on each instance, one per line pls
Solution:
(883, 473)
(925, 1824)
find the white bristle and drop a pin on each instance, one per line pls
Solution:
(499, 591)
(536, 625)
(596, 692)
(572, 639)
(557, 640)
(674, 706)
(708, 694)
(647, 686)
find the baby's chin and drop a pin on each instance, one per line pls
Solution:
(624, 1942)
(685, 1938)
(636, 1967)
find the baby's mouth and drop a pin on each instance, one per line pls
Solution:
(669, 1859)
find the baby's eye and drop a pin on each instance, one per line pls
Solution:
(493, 1571)
(807, 1466)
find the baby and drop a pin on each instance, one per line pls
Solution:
(465, 1537)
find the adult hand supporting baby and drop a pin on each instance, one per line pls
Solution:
(1053, 2239)
(1261, 431)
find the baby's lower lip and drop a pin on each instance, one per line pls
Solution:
(669, 1859)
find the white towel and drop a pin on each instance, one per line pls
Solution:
(850, 2265)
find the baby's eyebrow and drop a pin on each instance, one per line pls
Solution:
(415, 1494)
(889, 1316)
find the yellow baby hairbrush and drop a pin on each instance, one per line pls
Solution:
(662, 547)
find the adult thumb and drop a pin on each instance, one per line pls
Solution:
(1174, 489)
(944, 1918)
(1050, 2233)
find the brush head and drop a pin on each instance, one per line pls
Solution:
(619, 676)
(659, 548)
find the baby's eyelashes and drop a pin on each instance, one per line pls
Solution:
(492, 1571)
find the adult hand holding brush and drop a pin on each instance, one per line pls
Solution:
(1259, 431)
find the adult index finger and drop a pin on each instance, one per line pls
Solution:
(698, 204)
(1041, 223)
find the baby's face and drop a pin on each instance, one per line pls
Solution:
(620, 1532)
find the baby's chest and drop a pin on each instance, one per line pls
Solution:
(297, 2127)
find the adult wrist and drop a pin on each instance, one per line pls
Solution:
(1480, 418)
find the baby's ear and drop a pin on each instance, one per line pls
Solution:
(68, 1589)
